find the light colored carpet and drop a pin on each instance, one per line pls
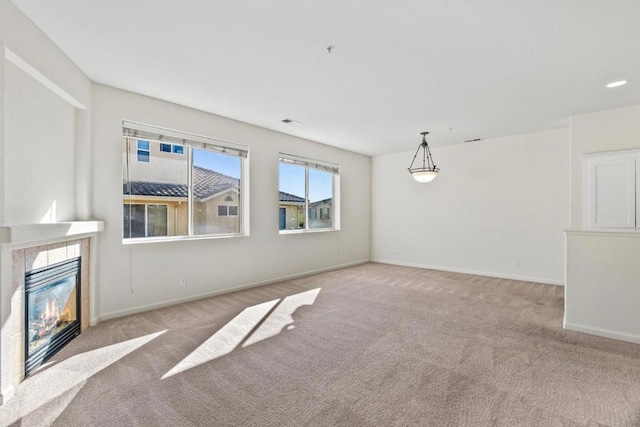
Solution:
(371, 345)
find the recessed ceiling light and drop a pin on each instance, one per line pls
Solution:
(617, 84)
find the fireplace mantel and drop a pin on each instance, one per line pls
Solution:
(30, 234)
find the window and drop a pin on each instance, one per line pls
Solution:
(143, 151)
(309, 191)
(227, 210)
(170, 148)
(145, 220)
(186, 195)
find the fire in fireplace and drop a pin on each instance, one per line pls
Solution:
(52, 312)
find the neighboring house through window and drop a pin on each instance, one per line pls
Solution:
(145, 220)
(199, 193)
(309, 192)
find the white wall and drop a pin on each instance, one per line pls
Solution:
(602, 293)
(608, 130)
(37, 130)
(494, 202)
(213, 265)
(40, 174)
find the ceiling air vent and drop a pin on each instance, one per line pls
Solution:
(474, 140)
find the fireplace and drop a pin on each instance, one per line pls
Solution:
(52, 310)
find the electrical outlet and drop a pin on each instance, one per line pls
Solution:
(183, 281)
(397, 252)
(516, 264)
(272, 266)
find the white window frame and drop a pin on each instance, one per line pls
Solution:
(190, 141)
(307, 163)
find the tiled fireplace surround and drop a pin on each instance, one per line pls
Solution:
(25, 260)
(27, 247)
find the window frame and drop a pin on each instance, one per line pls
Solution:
(190, 142)
(334, 170)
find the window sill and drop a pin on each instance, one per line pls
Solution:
(144, 240)
(317, 230)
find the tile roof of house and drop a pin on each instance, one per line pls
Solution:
(286, 197)
(207, 184)
(319, 202)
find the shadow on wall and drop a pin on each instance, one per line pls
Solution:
(51, 215)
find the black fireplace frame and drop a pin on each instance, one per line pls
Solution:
(36, 280)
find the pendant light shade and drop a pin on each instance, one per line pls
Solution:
(428, 171)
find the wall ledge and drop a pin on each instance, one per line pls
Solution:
(602, 233)
(28, 234)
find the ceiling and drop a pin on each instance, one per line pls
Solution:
(461, 70)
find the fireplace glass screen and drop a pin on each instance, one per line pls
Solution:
(52, 310)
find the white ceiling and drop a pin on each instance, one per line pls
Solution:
(483, 68)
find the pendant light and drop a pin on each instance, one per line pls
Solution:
(428, 171)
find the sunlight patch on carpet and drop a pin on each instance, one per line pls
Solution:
(71, 374)
(252, 325)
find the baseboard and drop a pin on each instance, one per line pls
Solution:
(477, 273)
(154, 306)
(602, 332)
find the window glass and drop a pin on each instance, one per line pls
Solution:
(156, 220)
(143, 151)
(160, 200)
(292, 197)
(134, 220)
(320, 197)
(307, 194)
(216, 177)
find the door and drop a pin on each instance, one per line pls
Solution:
(283, 218)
